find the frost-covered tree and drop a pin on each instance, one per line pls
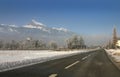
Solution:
(1, 44)
(39, 44)
(75, 42)
(14, 45)
(7, 46)
(36, 43)
(81, 43)
(53, 45)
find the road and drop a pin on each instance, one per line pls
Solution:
(90, 64)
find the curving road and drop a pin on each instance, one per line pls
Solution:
(90, 64)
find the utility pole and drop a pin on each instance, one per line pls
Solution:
(114, 37)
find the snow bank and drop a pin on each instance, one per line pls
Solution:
(19, 58)
(115, 54)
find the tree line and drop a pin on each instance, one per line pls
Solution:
(75, 42)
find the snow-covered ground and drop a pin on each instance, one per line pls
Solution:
(19, 58)
(115, 54)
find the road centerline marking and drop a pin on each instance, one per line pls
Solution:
(72, 64)
(86, 57)
(53, 75)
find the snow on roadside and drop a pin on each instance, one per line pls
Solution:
(115, 54)
(19, 58)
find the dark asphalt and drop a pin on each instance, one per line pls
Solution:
(90, 64)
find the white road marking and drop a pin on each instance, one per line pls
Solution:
(53, 75)
(85, 57)
(72, 64)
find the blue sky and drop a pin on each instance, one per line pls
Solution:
(90, 17)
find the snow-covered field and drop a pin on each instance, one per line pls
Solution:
(19, 58)
(115, 54)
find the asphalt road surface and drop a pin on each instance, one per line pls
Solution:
(90, 64)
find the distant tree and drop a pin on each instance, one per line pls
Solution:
(69, 44)
(7, 46)
(28, 43)
(53, 45)
(114, 37)
(75, 42)
(44, 46)
(36, 43)
(14, 45)
(1, 44)
(81, 43)
(39, 44)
